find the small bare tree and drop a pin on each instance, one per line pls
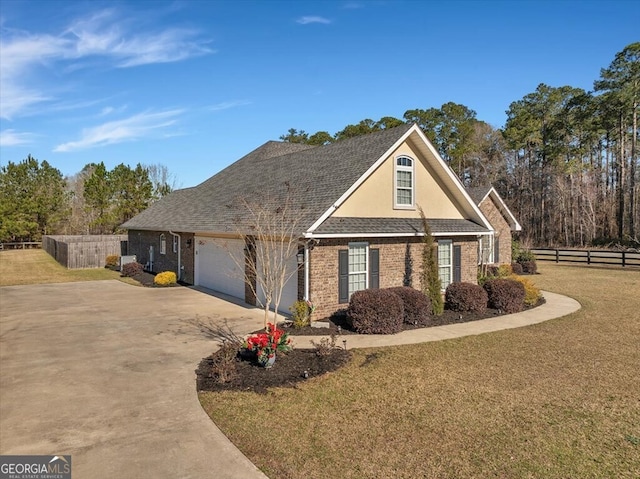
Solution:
(271, 227)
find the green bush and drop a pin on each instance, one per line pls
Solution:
(165, 278)
(417, 306)
(131, 269)
(466, 297)
(524, 257)
(505, 294)
(300, 314)
(375, 311)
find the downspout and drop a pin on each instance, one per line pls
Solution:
(179, 257)
(306, 272)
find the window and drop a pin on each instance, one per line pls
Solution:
(445, 262)
(163, 244)
(486, 250)
(404, 182)
(357, 267)
(175, 244)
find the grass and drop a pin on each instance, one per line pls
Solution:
(555, 400)
(34, 266)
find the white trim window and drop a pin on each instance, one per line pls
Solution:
(163, 244)
(358, 267)
(404, 182)
(485, 255)
(445, 262)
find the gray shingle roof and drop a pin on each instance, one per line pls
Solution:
(318, 176)
(478, 193)
(375, 226)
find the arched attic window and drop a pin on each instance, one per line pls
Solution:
(404, 178)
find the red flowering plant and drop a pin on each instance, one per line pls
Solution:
(265, 345)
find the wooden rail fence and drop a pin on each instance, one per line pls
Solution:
(595, 257)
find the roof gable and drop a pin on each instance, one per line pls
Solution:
(481, 193)
(445, 177)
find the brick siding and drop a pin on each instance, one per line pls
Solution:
(400, 264)
(500, 225)
(140, 241)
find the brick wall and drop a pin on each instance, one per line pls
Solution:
(503, 231)
(400, 265)
(140, 241)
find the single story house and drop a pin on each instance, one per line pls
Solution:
(359, 228)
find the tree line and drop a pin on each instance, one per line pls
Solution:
(36, 199)
(566, 161)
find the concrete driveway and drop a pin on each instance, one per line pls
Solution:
(104, 371)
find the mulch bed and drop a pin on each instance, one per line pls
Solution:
(337, 324)
(289, 368)
(287, 371)
(146, 280)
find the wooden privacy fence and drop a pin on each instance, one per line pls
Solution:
(84, 251)
(595, 257)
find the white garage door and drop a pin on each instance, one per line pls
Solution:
(290, 291)
(215, 267)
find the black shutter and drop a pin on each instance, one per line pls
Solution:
(374, 268)
(343, 276)
(496, 250)
(457, 264)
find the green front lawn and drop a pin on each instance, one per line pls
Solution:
(555, 400)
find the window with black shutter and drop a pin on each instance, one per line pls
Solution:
(457, 263)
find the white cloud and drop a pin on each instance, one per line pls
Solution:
(103, 36)
(225, 105)
(110, 110)
(312, 19)
(142, 125)
(352, 5)
(14, 138)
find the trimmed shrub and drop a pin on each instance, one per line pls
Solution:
(505, 294)
(375, 311)
(516, 268)
(417, 306)
(112, 262)
(131, 269)
(531, 293)
(529, 266)
(466, 297)
(165, 278)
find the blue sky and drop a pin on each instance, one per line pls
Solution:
(195, 85)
